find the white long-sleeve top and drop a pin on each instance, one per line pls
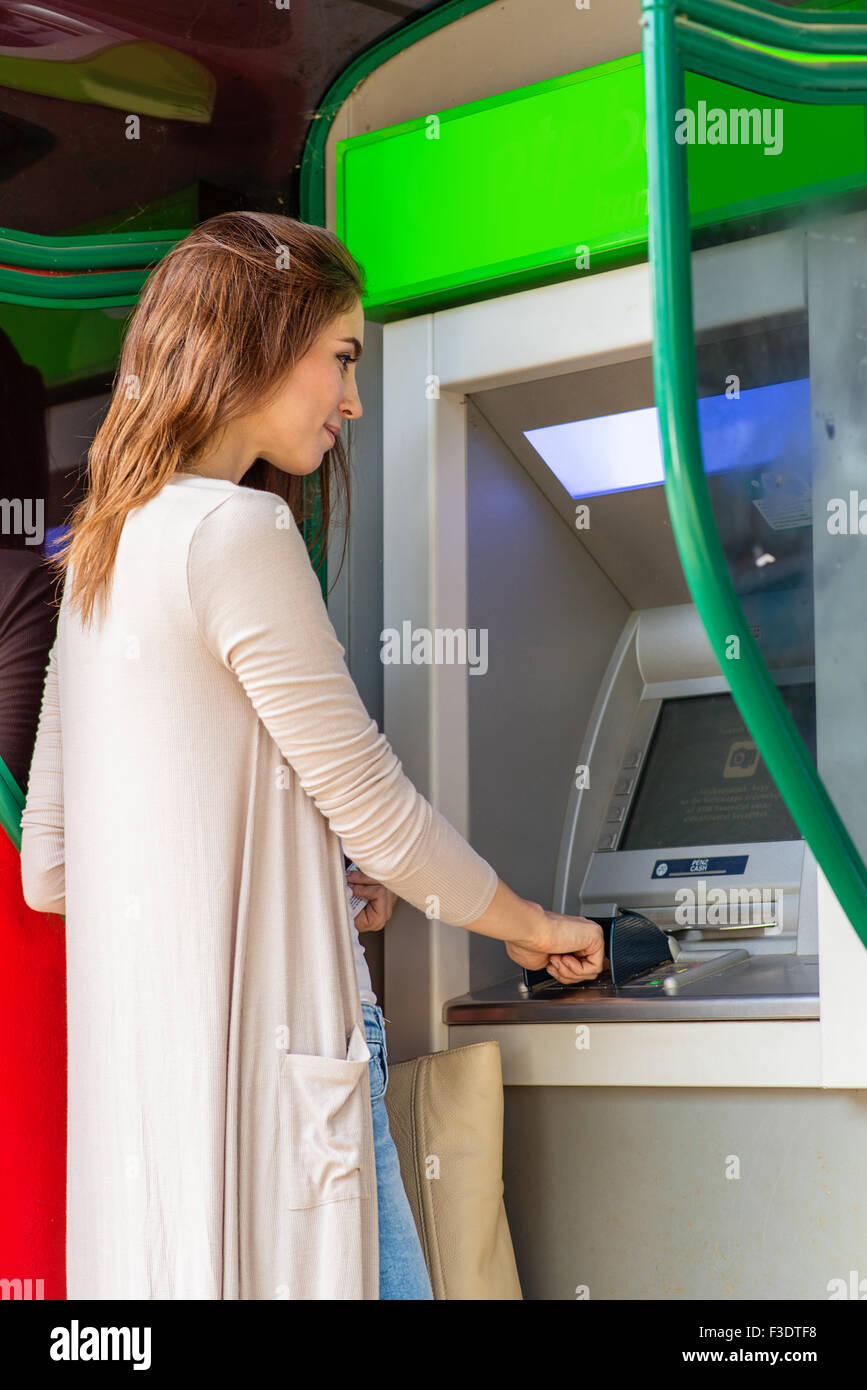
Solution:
(202, 758)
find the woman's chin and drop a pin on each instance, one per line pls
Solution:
(296, 467)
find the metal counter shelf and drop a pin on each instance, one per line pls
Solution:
(764, 987)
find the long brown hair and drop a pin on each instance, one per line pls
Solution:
(226, 313)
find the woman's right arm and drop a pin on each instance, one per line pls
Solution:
(571, 948)
(259, 609)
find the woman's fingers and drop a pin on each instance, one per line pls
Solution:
(571, 969)
(380, 903)
(369, 921)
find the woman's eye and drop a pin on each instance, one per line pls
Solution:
(345, 358)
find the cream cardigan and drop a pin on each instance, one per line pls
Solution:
(213, 749)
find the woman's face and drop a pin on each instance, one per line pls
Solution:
(318, 393)
(291, 431)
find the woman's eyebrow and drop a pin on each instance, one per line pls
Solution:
(355, 343)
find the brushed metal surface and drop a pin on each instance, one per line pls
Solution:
(763, 987)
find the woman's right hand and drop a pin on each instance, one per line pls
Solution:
(571, 948)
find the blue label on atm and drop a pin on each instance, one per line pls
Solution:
(692, 868)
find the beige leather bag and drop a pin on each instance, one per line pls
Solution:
(445, 1113)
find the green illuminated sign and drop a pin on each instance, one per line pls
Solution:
(549, 181)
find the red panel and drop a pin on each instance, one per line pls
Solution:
(32, 1087)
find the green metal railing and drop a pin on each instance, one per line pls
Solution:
(707, 36)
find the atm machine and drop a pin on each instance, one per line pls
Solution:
(673, 815)
(681, 823)
(670, 812)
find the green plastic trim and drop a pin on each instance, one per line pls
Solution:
(111, 250)
(312, 182)
(11, 805)
(312, 179)
(49, 291)
(701, 554)
(768, 23)
(80, 272)
(829, 80)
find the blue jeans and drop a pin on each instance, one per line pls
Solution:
(402, 1270)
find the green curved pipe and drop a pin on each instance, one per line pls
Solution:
(11, 805)
(701, 553)
(97, 251)
(96, 291)
(825, 79)
(312, 183)
(80, 272)
(765, 22)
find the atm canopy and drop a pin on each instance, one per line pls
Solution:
(526, 187)
(550, 181)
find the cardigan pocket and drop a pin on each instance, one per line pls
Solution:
(321, 1105)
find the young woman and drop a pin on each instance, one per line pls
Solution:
(202, 761)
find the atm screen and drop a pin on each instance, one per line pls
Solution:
(703, 781)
